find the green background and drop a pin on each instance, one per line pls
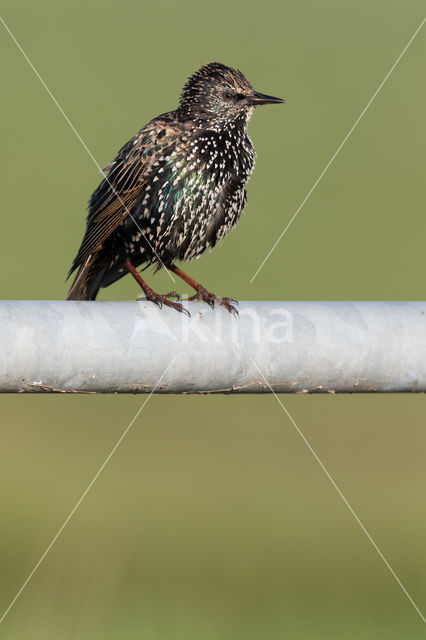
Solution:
(213, 520)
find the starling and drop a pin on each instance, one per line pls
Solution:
(174, 190)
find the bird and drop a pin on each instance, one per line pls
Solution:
(173, 190)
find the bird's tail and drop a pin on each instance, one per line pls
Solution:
(88, 279)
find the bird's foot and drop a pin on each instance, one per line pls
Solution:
(206, 296)
(160, 299)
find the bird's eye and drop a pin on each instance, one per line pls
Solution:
(227, 95)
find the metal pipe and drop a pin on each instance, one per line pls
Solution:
(126, 347)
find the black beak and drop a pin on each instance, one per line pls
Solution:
(262, 98)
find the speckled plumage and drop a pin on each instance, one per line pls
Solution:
(175, 189)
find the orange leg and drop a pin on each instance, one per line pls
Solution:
(159, 299)
(202, 293)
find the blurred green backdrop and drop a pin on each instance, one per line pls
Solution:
(213, 520)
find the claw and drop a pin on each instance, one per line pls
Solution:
(205, 296)
(179, 307)
(202, 293)
(162, 299)
(232, 310)
(176, 305)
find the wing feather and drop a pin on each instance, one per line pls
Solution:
(128, 175)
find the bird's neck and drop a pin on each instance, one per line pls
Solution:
(205, 121)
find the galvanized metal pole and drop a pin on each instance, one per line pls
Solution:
(125, 347)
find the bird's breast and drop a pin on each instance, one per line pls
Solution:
(224, 153)
(195, 196)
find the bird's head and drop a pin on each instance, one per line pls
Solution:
(217, 93)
